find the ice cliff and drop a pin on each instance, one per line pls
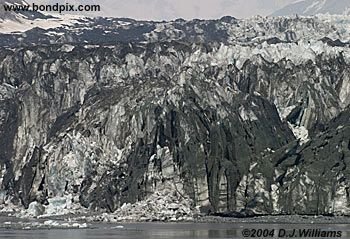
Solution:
(232, 116)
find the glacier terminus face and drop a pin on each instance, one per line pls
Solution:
(173, 120)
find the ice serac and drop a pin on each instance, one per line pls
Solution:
(244, 126)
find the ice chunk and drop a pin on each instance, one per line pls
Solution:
(35, 209)
(56, 205)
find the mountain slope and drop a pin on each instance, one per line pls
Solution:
(312, 7)
(18, 15)
(6, 15)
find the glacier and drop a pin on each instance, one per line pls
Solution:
(174, 120)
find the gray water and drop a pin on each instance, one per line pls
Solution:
(168, 230)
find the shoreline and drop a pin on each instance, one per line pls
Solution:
(266, 219)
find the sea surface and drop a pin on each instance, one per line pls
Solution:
(183, 230)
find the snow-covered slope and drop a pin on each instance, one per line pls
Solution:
(313, 7)
(18, 15)
(21, 24)
(21, 21)
(9, 15)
